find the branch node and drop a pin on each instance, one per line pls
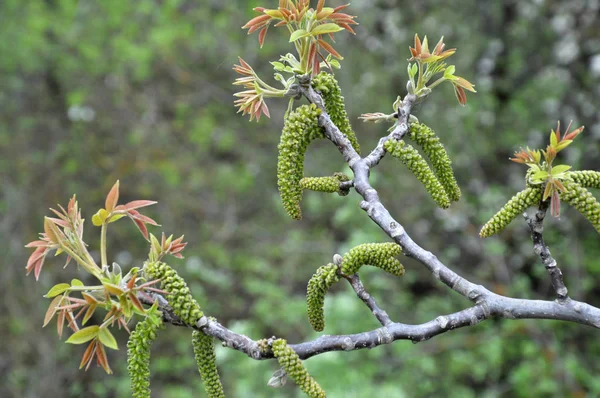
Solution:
(348, 344)
(385, 337)
(442, 321)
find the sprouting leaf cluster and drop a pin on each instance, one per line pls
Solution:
(117, 293)
(427, 64)
(308, 28)
(548, 181)
(543, 171)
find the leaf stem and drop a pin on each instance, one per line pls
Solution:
(103, 245)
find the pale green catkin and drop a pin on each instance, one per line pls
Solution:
(411, 158)
(438, 157)
(179, 297)
(318, 286)
(138, 356)
(379, 255)
(334, 105)
(300, 129)
(514, 207)
(585, 178)
(204, 352)
(293, 366)
(583, 200)
(325, 184)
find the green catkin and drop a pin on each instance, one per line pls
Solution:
(138, 356)
(334, 105)
(292, 364)
(583, 200)
(318, 286)
(585, 178)
(204, 352)
(300, 129)
(179, 297)
(438, 157)
(325, 184)
(514, 207)
(379, 255)
(419, 167)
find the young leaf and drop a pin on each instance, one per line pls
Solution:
(52, 309)
(112, 198)
(57, 289)
(76, 282)
(298, 34)
(325, 28)
(107, 338)
(561, 168)
(84, 335)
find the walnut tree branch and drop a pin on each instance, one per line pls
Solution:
(536, 226)
(362, 293)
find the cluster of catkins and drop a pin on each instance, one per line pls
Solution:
(440, 182)
(204, 352)
(301, 127)
(138, 356)
(380, 255)
(576, 195)
(293, 366)
(188, 310)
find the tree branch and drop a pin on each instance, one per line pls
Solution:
(487, 304)
(536, 226)
(362, 293)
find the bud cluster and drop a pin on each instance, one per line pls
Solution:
(179, 297)
(514, 207)
(204, 352)
(411, 158)
(292, 364)
(300, 129)
(138, 356)
(379, 255)
(438, 157)
(318, 286)
(334, 104)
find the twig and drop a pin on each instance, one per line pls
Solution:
(536, 226)
(362, 293)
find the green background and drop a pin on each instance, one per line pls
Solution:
(95, 91)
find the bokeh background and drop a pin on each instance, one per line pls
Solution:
(95, 91)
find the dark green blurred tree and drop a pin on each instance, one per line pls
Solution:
(91, 92)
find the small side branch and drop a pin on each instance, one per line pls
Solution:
(536, 226)
(362, 293)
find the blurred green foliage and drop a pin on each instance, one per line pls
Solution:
(94, 91)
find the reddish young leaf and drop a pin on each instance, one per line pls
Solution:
(136, 204)
(142, 227)
(88, 355)
(261, 36)
(52, 308)
(138, 216)
(136, 302)
(329, 49)
(102, 359)
(112, 198)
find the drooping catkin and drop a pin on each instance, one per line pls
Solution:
(585, 178)
(300, 129)
(292, 364)
(318, 286)
(438, 157)
(179, 297)
(379, 255)
(334, 105)
(329, 184)
(419, 167)
(138, 356)
(204, 352)
(583, 200)
(514, 207)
